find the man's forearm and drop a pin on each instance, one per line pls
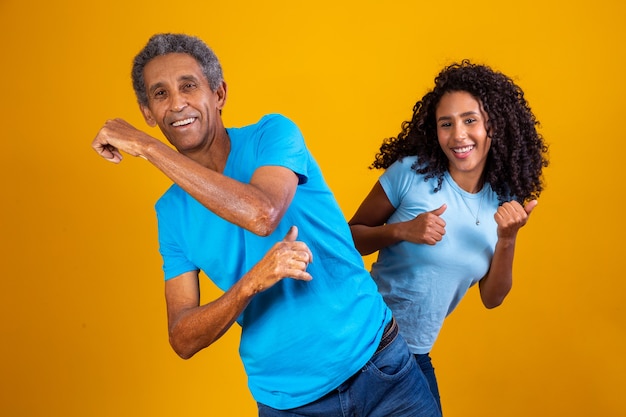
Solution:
(196, 328)
(244, 205)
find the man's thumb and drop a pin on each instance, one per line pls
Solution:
(291, 235)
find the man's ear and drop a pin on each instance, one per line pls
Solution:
(147, 115)
(221, 95)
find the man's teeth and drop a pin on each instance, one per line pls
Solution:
(463, 149)
(183, 122)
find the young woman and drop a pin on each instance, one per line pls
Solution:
(460, 180)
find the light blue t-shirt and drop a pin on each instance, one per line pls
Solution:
(300, 340)
(422, 284)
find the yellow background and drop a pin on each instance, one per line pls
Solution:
(83, 317)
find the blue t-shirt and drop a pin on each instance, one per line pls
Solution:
(300, 340)
(422, 284)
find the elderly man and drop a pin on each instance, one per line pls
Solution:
(249, 207)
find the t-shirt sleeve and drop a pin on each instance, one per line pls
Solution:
(175, 262)
(396, 180)
(281, 144)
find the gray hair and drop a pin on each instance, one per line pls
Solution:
(166, 43)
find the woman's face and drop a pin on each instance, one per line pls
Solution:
(462, 135)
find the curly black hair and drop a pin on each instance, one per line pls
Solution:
(518, 152)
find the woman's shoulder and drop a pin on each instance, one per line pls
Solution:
(403, 166)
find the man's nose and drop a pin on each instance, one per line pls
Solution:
(178, 103)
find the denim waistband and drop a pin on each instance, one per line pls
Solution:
(390, 333)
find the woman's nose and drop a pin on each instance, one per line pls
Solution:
(459, 131)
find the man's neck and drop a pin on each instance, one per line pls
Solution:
(215, 156)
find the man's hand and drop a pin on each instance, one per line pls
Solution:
(286, 259)
(118, 135)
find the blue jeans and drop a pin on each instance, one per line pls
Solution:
(390, 384)
(426, 365)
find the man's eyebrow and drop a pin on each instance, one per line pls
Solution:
(181, 78)
(187, 78)
(154, 87)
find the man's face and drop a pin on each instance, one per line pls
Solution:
(181, 103)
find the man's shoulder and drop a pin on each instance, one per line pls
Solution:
(274, 117)
(273, 129)
(274, 120)
(271, 122)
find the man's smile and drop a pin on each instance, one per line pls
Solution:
(184, 122)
